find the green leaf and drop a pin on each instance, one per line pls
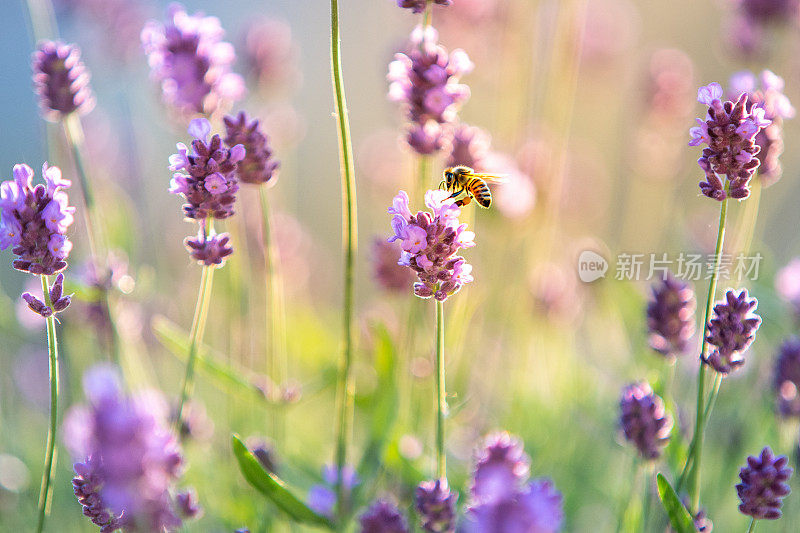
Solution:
(176, 340)
(679, 517)
(274, 488)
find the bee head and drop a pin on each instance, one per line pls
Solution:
(449, 176)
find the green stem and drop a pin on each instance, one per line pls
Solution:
(646, 493)
(702, 413)
(277, 359)
(441, 393)
(196, 337)
(752, 525)
(73, 132)
(623, 508)
(345, 386)
(46, 490)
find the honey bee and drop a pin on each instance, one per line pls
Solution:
(463, 179)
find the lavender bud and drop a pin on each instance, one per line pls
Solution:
(61, 80)
(729, 130)
(188, 57)
(209, 250)
(418, 6)
(36, 305)
(436, 505)
(501, 467)
(258, 166)
(382, 517)
(764, 485)
(787, 378)
(469, 147)
(187, 504)
(643, 419)
(731, 330)
(670, 317)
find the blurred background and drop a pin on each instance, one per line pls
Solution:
(588, 104)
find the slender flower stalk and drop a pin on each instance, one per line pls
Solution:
(196, 334)
(46, 489)
(702, 415)
(441, 394)
(345, 387)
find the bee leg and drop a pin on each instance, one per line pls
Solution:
(456, 193)
(442, 185)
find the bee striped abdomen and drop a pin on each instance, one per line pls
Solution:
(480, 191)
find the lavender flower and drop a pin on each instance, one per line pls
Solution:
(270, 53)
(436, 505)
(764, 485)
(322, 498)
(418, 6)
(34, 220)
(188, 57)
(264, 451)
(425, 81)
(132, 461)
(769, 11)
(209, 249)
(187, 505)
(768, 94)
(58, 300)
(430, 241)
(389, 275)
(258, 166)
(469, 147)
(670, 316)
(206, 174)
(643, 419)
(383, 517)
(501, 500)
(61, 80)
(786, 379)
(731, 331)
(729, 129)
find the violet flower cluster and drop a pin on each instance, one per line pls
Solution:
(764, 484)
(670, 317)
(258, 165)
(418, 6)
(766, 92)
(188, 57)
(729, 129)
(753, 19)
(34, 220)
(731, 330)
(435, 504)
(382, 517)
(205, 176)
(58, 300)
(430, 241)
(502, 498)
(786, 380)
(131, 462)
(61, 80)
(425, 80)
(469, 146)
(322, 497)
(643, 419)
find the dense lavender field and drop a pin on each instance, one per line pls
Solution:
(485, 266)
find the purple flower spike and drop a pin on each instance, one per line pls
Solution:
(764, 485)
(436, 505)
(58, 300)
(766, 92)
(206, 174)
(670, 317)
(61, 80)
(731, 331)
(382, 517)
(430, 241)
(786, 379)
(322, 498)
(469, 147)
(501, 467)
(418, 6)
(188, 57)
(209, 250)
(132, 461)
(729, 129)
(643, 419)
(258, 166)
(34, 220)
(425, 81)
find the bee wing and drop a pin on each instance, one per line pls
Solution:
(495, 178)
